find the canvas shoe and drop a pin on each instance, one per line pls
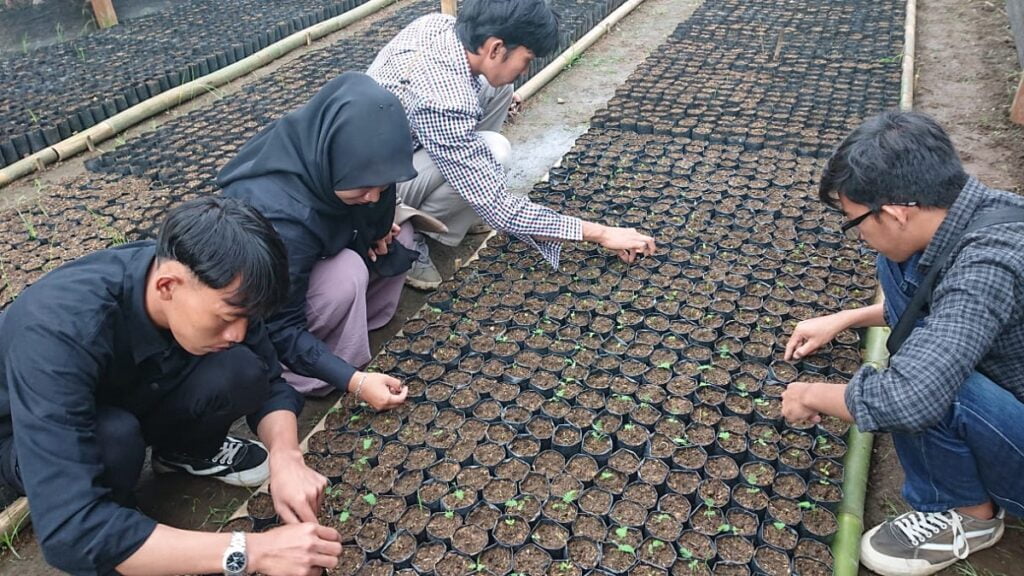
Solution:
(239, 462)
(423, 275)
(919, 543)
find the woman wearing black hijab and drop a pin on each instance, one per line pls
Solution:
(325, 176)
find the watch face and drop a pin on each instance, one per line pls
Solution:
(235, 562)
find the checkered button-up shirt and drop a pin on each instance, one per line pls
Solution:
(425, 66)
(976, 322)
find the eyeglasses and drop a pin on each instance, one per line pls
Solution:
(848, 227)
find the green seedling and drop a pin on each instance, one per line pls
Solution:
(681, 440)
(569, 497)
(449, 514)
(627, 549)
(665, 365)
(460, 494)
(367, 442)
(780, 526)
(81, 53)
(654, 545)
(344, 516)
(807, 505)
(370, 499)
(724, 528)
(510, 521)
(565, 566)
(29, 226)
(622, 531)
(24, 43)
(724, 435)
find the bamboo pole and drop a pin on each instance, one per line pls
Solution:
(106, 16)
(87, 139)
(909, 39)
(449, 7)
(856, 465)
(566, 58)
(13, 519)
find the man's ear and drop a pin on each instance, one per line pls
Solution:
(493, 47)
(168, 280)
(900, 213)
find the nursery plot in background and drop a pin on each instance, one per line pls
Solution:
(71, 86)
(56, 90)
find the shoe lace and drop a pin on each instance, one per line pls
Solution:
(920, 527)
(227, 453)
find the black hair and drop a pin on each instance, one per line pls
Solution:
(894, 158)
(220, 239)
(530, 23)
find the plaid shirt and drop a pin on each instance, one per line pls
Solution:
(425, 66)
(976, 322)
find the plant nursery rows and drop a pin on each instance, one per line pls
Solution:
(614, 419)
(604, 418)
(60, 90)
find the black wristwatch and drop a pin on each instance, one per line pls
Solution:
(235, 560)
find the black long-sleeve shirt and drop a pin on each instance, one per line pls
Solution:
(78, 338)
(309, 238)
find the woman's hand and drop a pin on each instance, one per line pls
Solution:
(380, 247)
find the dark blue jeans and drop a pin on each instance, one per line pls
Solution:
(976, 453)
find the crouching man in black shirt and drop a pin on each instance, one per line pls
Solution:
(157, 344)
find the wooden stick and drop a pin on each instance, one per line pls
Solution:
(105, 14)
(1017, 109)
(450, 7)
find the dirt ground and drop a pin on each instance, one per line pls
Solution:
(966, 70)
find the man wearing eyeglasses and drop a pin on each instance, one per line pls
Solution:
(953, 394)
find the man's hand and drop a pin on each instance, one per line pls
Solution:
(294, 550)
(795, 402)
(813, 333)
(515, 107)
(380, 391)
(296, 489)
(380, 247)
(626, 242)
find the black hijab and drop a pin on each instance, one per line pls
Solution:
(352, 134)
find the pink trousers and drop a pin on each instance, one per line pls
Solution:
(343, 303)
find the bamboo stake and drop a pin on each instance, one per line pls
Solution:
(106, 16)
(449, 7)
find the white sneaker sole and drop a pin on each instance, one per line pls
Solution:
(421, 284)
(892, 566)
(252, 478)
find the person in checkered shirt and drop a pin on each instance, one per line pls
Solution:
(454, 78)
(952, 396)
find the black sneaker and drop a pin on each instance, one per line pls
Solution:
(240, 462)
